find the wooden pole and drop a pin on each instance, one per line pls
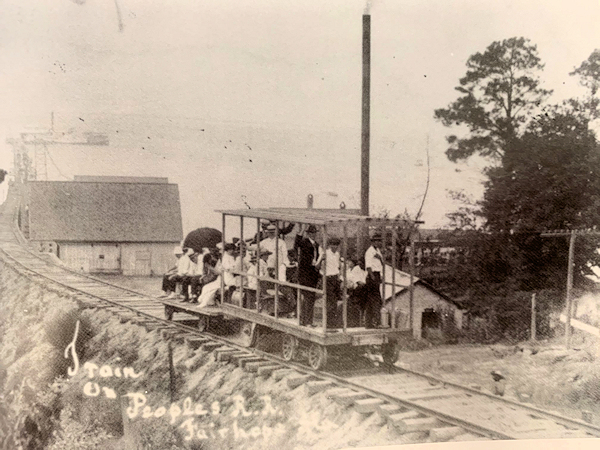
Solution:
(222, 256)
(258, 264)
(411, 255)
(171, 372)
(345, 280)
(533, 324)
(569, 289)
(363, 231)
(366, 115)
(324, 267)
(393, 318)
(276, 267)
(241, 256)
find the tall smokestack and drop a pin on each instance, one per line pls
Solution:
(366, 115)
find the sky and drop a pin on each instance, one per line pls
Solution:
(283, 78)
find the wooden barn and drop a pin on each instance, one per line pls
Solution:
(431, 308)
(122, 225)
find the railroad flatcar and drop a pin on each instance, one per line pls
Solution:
(271, 294)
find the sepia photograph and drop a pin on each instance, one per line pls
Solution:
(299, 225)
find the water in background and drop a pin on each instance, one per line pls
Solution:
(221, 165)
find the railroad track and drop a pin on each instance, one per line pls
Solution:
(408, 401)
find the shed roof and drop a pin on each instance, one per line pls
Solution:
(403, 283)
(104, 212)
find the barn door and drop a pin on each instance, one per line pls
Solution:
(106, 258)
(142, 263)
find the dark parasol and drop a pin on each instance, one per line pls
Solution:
(202, 238)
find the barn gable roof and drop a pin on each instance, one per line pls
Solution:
(403, 283)
(104, 212)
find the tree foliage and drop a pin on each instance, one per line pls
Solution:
(589, 77)
(546, 176)
(498, 93)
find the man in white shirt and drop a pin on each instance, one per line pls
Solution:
(183, 269)
(331, 270)
(257, 267)
(169, 283)
(374, 266)
(357, 297)
(186, 281)
(275, 245)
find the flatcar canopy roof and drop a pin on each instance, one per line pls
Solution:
(315, 217)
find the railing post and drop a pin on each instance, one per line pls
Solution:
(276, 266)
(324, 266)
(345, 278)
(258, 263)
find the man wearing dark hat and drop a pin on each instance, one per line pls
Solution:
(308, 274)
(374, 266)
(264, 224)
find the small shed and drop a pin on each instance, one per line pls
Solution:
(431, 308)
(123, 225)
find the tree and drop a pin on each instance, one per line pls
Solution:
(499, 92)
(589, 77)
(553, 183)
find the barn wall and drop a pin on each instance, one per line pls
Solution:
(423, 299)
(91, 257)
(145, 259)
(76, 256)
(131, 259)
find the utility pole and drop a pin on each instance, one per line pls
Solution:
(366, 115)
(572, 234)
(363, 233)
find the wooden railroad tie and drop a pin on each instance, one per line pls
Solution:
(348, 398)
(282, 373)
(297, 380)
(394, 419)
(224, 353)
(243, 362)
(254, 366)
(318, 386)
(210, 346)
(367, 405)
(265, 371)
(445, 434)
(236, 358)
(417, 424)
(231, 356)
(388, 409)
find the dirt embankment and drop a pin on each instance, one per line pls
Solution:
(120, 396)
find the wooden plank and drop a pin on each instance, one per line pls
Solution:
(298, 380)
(367, 405)
(254, 366)
(347, 399)
(267, 370)
(417, 424)
(445, 434)
(388, 409)
(318, 386)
